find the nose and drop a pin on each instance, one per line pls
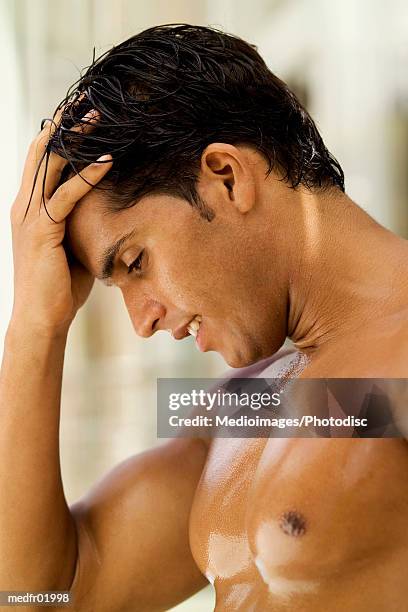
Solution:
(147, 315)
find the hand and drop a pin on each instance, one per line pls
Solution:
(47, 290)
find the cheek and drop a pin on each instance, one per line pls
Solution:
(176, 283)
(201, 272)
(187, 280)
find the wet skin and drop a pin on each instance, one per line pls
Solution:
(352, 550)
(292, 524)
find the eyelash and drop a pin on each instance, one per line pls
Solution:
(136, 264)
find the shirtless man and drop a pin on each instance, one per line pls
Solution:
(312, 524)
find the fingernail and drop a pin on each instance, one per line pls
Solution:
(106, 157)
(89, 115)
(43, 122)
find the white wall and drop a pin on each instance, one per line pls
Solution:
(10, 112)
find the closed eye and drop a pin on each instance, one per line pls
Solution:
(137, 263)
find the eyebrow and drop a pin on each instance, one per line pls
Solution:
(107, 260)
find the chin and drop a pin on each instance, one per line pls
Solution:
(242, 360)
(250, 353)
(235, 363)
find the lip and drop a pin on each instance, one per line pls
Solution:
(199, 339)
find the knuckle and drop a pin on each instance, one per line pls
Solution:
(13, 217)
(15, 212)
(33, 147)
(38, 140)
(39, 143)
(42, 229)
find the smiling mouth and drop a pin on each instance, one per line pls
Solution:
(191, 328)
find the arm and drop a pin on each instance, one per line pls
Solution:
(43, 544)
(133, 532)
(37, 535)
(127, 540)
(35, 523)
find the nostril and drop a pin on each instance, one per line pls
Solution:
(155, 323)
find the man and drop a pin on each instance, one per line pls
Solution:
(218, 211)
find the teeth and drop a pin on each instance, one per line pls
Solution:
(192, 331)
(194, 326)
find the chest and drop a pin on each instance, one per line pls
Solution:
(297, 509)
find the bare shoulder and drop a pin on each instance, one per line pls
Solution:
(177, 459)
(137, 518)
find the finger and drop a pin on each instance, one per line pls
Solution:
(42, 171)
(66, 196)
(27, 198)
(36, 152)
(38, 146)
(56, 163)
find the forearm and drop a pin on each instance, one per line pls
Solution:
(37, 535)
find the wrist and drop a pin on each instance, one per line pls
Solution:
(22, 330)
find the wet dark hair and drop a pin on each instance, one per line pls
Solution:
(165, 94)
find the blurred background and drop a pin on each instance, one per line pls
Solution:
(347, 61)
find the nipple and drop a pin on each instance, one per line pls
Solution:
(292, 523)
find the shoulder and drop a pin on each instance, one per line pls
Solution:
(139, 513)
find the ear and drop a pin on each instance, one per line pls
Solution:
(227, 177)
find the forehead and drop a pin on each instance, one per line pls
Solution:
(92, 227)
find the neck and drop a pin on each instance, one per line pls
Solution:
(347, 270)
